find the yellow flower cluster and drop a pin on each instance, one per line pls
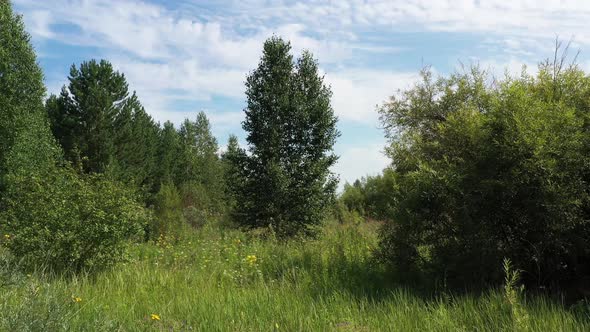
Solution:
(155, 317)
(76, 299)
(251, 259)
(7, 236)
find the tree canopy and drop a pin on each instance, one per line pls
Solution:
(291, 129)
(491, 169)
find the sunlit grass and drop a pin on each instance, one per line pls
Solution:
(224, 280)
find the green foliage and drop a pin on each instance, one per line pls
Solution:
(136, 147)
(194, 217)
(200, 168)
(103, 128)
(65, 223)
(372, 197)
(168, 212)
(291, 128)
(50, 216)
(344, 215)
(25, 140)
(234, 175)
(169, 154)
(484, 172)
(87, 108)
(514, 296)
(195, 194)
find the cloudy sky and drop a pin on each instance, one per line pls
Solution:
(184, 56)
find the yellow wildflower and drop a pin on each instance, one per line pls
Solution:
(76, 299)
(251, 259)
(155, 317)
(7, 236)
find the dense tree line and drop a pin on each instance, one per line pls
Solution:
(482, 169)
(85, 172)
(104, 129)
(109, 174)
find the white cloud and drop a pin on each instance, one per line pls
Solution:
(168, 57)
(160, 85)
(39, 23)
(358, 161)
(357, 92)
(498, 16)
(184, 54)
(512, 67)
(203, 49)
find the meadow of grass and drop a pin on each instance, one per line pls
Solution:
(216, 279)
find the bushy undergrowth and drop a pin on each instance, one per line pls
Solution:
(60, 221)
(486, 171)
(224, 280)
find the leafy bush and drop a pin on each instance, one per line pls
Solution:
(65, 223)
(488, 171)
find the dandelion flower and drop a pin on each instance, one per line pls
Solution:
(251, 259)
(155, 317)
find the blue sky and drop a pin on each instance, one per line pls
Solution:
(185, 56)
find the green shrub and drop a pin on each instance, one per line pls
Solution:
(62, 222)
(484, 172)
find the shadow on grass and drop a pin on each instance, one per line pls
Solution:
(322, 270)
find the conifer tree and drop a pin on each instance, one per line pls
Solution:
(104, 128)
(169, 154)
(233, 160)
(136, 146)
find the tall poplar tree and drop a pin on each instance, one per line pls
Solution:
(26, 144)
(291, 130)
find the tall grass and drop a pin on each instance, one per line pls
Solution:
(224, 280)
